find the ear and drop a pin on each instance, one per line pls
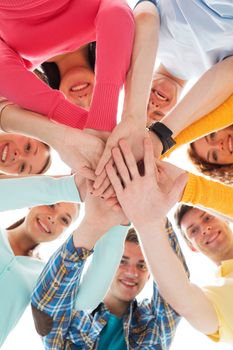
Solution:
(193, 249)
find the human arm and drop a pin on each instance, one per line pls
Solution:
(77, 149)
(219, 118)
(23, 87)
(23, 192)
(138, 83)
(210, 91)
(139, 198)
(54, 302)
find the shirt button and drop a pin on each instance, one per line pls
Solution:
(56, 285)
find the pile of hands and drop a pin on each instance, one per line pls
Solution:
(123, 170)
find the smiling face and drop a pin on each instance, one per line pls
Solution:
(217, 147)
(131, 275)
(207, 234)
(47, 222)
(163, 97)
(77, 85)
(21, 155)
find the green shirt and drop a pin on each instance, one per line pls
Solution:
(112, 335)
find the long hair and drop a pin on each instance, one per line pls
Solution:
(222, 173)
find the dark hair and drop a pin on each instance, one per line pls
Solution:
(48, 160)
(50, 73)
(181, 210)
(222, 173)
(132, 236)
(34, 251)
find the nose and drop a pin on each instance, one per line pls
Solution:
(206, 230)
(220, 145)
(132, 271)
(51, 219)
(15, 155)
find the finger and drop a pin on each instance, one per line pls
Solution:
(103, 160)
(109, 192)
(101, 190)
(87, 173)
(179, 185)
(149, 158)
(100, 179)
(121, 166)
(129, 158)
(114, 179)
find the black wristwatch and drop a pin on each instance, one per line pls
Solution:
(164, 134)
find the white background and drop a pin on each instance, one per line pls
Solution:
(24, 336)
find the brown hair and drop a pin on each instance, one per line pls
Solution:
(181, 210)
(33, 252)
(132, 236)
(222, 173)
(48, 160)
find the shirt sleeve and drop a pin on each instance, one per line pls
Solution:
(105, 261)
(36, 190)
(209, 194)
(220, 118)
(23, 87)
(167, 318)
(54, 295)
(114, 42)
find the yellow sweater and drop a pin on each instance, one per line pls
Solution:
(200, 191)
(220, 118)
(209, 194)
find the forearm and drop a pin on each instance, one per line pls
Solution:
(212, 89)
(37, 190)
(187, 299)
(106, 259)
(139, 77)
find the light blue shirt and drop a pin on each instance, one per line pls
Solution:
(194, 35)
(18, 276)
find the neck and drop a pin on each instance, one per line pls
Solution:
(228, 255)
(67, 61)
(115, 306)
(162, 70)
(20, 243)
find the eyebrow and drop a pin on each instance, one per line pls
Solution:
(201, 216)
(127, 258)
(48, 161)
(208, 153)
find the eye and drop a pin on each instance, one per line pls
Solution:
(27, 147)
(194, 230)
(142, 267)
(51, 206)
(215, 156)
(212, 136)
(207, 218)
(22, 167)
(123, 262)
(65, 221)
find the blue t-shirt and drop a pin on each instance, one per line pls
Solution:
(194, 35)
(112, 335)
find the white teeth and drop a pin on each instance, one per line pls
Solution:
(45, 227)
(129, 283)
(4, 153)
(230, 144)
(160, 96)
(79, 87)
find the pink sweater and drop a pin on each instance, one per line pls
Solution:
(32, 31)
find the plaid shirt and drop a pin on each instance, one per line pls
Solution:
(150, 324)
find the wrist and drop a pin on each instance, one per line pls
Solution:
(86, 235)
(147, 228)
(164, 134)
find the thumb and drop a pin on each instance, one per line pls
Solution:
(178, 188)
(103, 160)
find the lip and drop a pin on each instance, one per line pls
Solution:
(213, 237)
(230, 144)
(43, 226)
(80, 89)
(128, 284)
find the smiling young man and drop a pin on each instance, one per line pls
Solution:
(212, 237)
(146, 200)
(119, 322)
